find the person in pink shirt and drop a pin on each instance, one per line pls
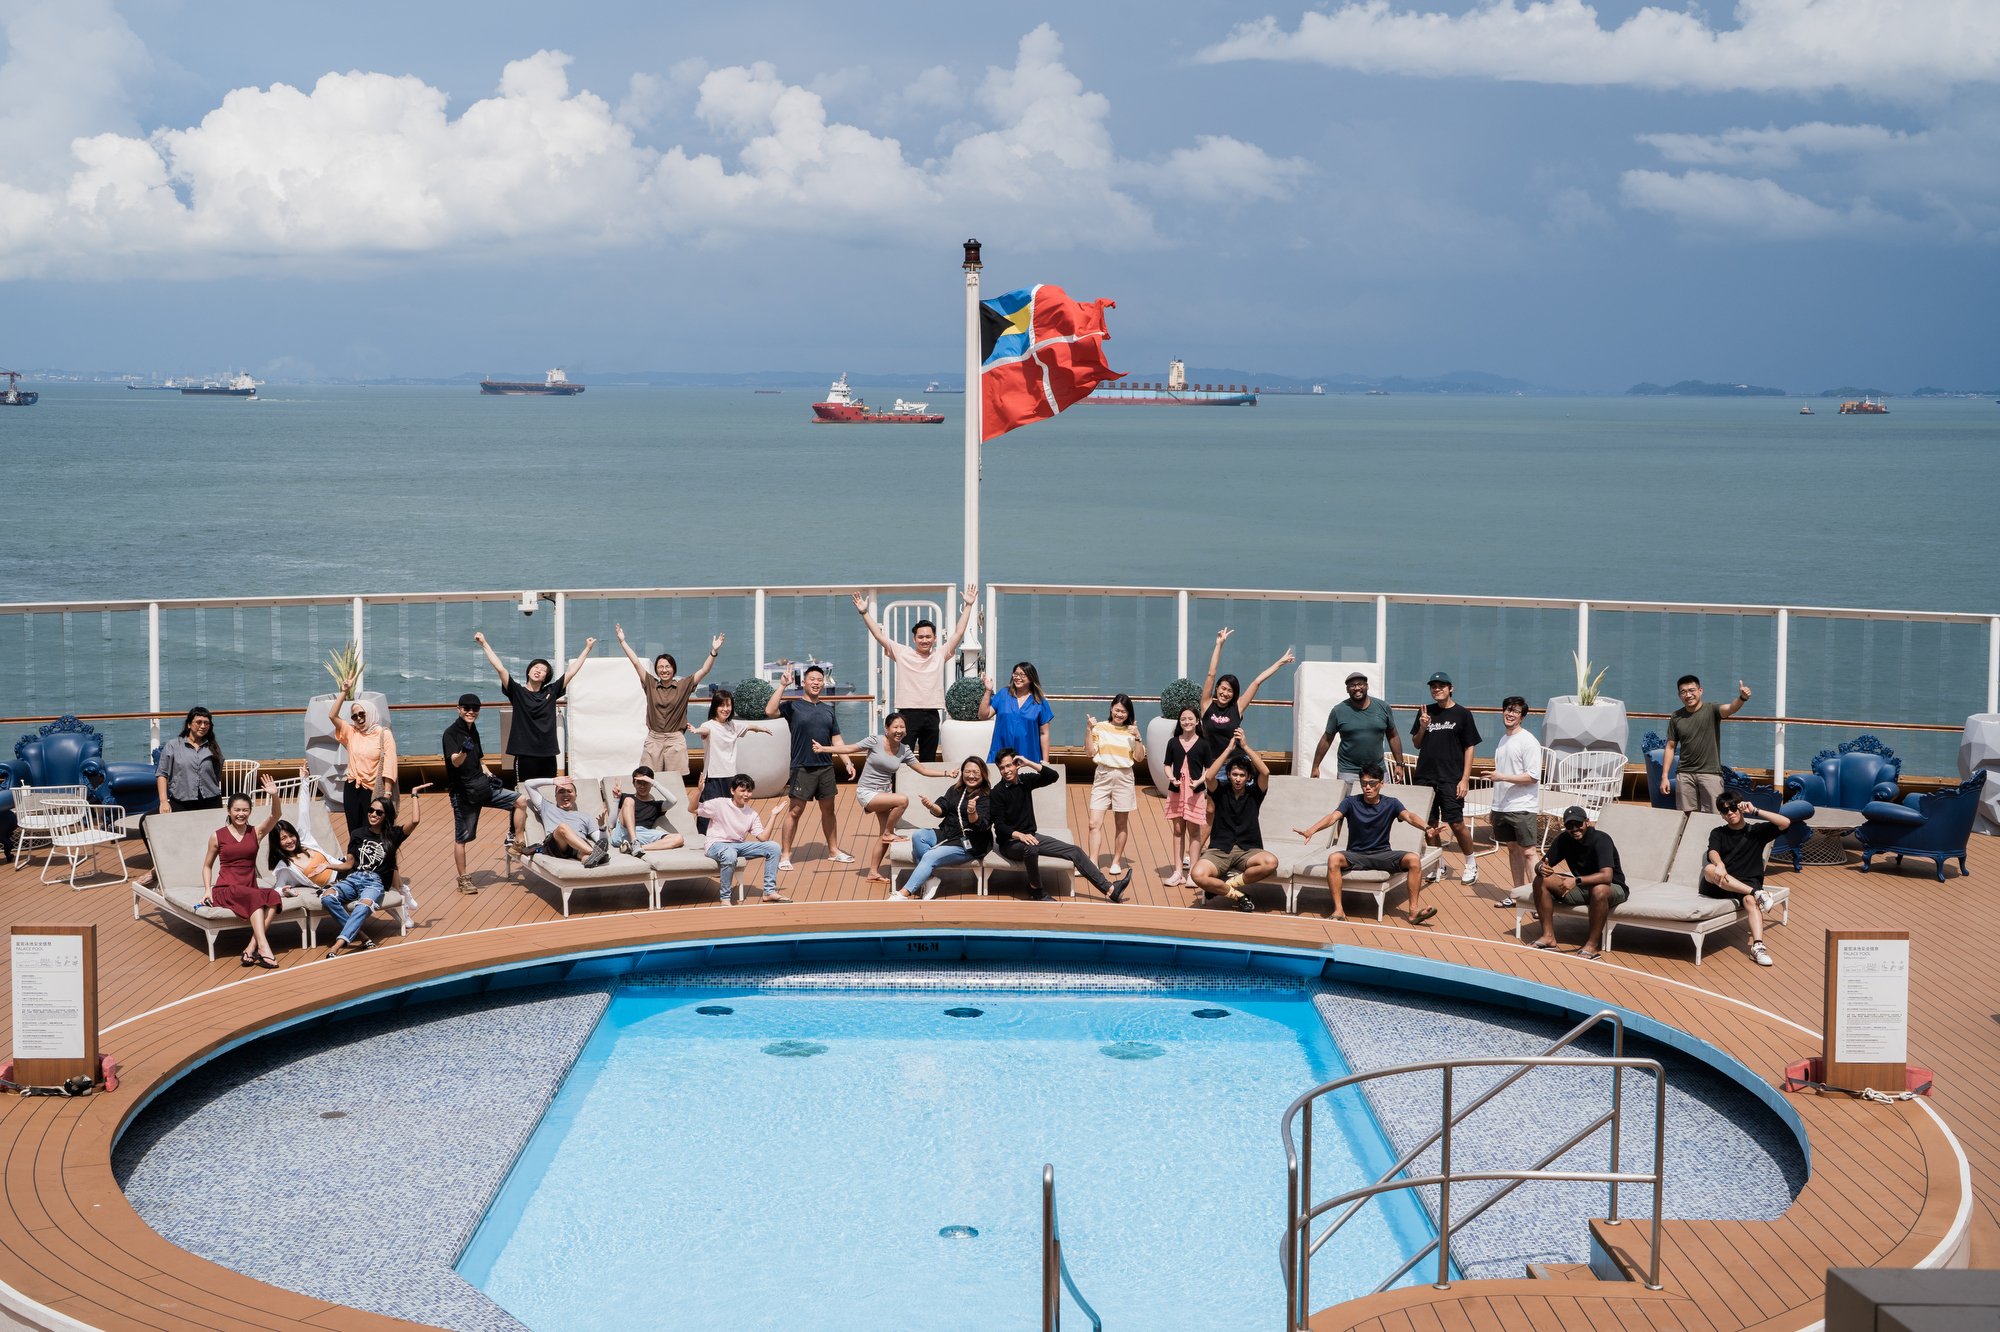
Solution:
(736, 833)
(920, 668)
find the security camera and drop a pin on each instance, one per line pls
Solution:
(528, 603)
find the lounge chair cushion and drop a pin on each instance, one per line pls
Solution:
(1645, 838)
(620, 868)
(1693, 852)
(1652, 900)
(189, 900)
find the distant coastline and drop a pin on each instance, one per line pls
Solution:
(1696, 388)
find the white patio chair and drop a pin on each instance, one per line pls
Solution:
(1590, 779)
(95, 828)
(42, 811)
(239, 777)
(1478, 805)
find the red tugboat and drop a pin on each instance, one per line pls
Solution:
(843, 408)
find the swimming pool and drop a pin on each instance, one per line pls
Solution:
(737, 1158)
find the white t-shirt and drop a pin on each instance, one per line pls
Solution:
(1518, 753)
(718, 746)
(919, 679)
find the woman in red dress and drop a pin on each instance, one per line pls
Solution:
(230, 870)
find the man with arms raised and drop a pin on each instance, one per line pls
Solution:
(1444, 734)
(920, 668)
(1017, 839)
(1734, 866)
(1581, 866)
(1235, 855)
(813, 724)
(1695, 734)
(1371, 814)
(1364, 726)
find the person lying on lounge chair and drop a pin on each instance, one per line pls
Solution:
(571, 833)
(1581, 866)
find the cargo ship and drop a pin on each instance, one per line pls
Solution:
(1176, 392)
(842, 407)
(15, 395)
(241, 386)
(937, 386)
(1865, 407)
(168, 387)
(557, 385)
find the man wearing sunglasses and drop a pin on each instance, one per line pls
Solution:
(1579, 868)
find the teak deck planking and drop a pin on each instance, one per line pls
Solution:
(1869, 1199)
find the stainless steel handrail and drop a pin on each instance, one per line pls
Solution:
(1297, 1247)
(1055, 1267)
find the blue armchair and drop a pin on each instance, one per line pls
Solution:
(1860, 771)
(1791, 842)
(1653, 749)
(1935, 826)
(66, 752)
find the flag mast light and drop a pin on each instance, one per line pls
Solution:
(969, 648)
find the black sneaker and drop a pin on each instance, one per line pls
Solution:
(1246, 904)
(1041, 895)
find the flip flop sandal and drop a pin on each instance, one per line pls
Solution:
(1585, 955)
(1424, 915)
(841, 858)
(1545, 945)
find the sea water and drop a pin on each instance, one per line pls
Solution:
(343, 491)
(743, 1160)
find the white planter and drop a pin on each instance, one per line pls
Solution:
(1569, 729)
(1158, 732)
(1979, 748)
(767, 758)
(961, 740)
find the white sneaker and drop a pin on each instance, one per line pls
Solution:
(1762, 954)
(1437, 872)
(1763, 900)
(1471, 874)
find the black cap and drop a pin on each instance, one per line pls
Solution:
(470, 701)
(1358, 675)
(1575, 814)
(1439, 677)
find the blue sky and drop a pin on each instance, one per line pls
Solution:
(1804, 193)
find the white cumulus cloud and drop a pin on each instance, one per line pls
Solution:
(1778, 148)
(1221, 168)
(1914, 47)
(367, 166)
(1707, 203)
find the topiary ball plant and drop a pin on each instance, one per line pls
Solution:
(961, 701)
(1178, 694)
(751, 695)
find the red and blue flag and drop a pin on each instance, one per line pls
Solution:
(1042, 352)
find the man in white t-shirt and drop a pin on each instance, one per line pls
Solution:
(920, 667)
(1517, 795)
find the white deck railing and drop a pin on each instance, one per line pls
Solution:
(1857, 666)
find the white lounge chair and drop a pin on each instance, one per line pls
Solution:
(1304, 867)
(568, 876)
(1051, 818)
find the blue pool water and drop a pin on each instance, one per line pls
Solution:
(790, 1162)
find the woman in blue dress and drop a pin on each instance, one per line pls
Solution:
(1020, 715)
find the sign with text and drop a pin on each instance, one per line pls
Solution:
(54, 973)
(1867, 1009)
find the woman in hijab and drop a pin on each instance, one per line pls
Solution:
(371, 754)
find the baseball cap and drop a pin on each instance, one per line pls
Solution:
(1440, 678)
(470, 702)
(1575, 814)
(1358, 675)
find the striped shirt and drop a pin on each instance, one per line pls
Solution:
(1114, 745)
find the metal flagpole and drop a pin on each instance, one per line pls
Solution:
(969, 646)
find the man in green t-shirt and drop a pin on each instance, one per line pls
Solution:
(1364, 726)
(1695, 735)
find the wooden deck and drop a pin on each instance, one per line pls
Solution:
(1884, 1188)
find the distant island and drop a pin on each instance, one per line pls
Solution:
(1696, 388)
(1927, 391)
(1849, 391)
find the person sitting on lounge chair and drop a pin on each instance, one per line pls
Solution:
(1016, 837)
(1735, 862)
(638, 810)
(735, 833)
(1368, 846)
(571, 833)
(1235, 856)
(1581, 866)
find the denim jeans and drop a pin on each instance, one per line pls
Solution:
(360, 886)
(646, 837)
(726, 854)
(931, 858)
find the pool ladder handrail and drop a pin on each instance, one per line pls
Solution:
(1055, 1268)
(1296, 1249)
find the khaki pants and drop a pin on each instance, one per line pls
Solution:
(666, 752)
(1697, 791)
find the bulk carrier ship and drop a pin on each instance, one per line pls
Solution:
(557, 385)
(1176, 392)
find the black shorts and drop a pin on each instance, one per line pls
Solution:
(812, 783)
(465, 811)
(532, 767)
(1387, 861)
(555, 850)
(1710, 890)
(1449, 806)
(922, 734)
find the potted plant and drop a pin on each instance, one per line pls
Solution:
(1177, 694)
(961, 735)
(766, 758)
(1586, 719)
